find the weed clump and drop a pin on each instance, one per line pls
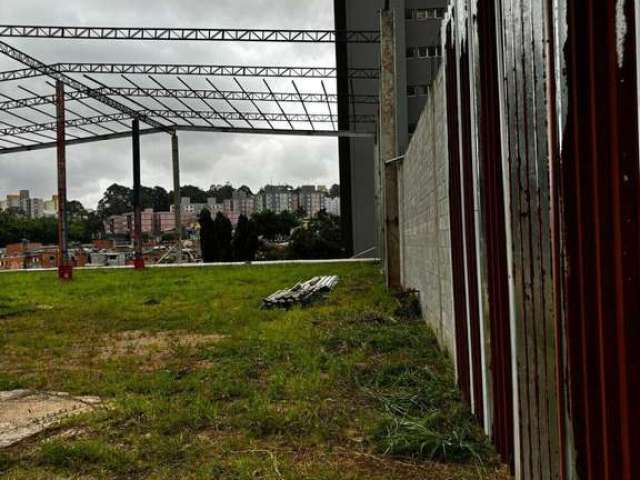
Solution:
(85, 455)
(424, 416)
(409, 307)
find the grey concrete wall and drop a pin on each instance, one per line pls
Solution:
(424, 222)
(364, 15)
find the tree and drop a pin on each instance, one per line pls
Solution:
(334, 191)
(266, 224)
(76, 212)
(287, 221)
(116, 200)
(245, 240)
(272, 225)
(196, 194)
(221, 193)
(160, 200)
(322, 239)
(93, 226)
(207, 237)
(245, 189)
(301, 212)
(82, 228)
(224, 235)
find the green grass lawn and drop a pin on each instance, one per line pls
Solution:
(343, 389)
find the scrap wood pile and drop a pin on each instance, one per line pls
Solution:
(302, 293)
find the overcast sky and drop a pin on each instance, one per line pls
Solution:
(205, 158)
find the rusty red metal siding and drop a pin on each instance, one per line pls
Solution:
(456, 218)
(601, 198)
(471, 253)
(563, 207)
(493, 204)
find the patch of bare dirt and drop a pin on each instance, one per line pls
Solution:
(140, 343)
(24, 413)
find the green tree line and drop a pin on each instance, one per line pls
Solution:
(15, 227)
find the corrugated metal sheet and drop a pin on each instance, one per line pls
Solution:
(456, 215)
(470, 250)
(601, 198)
(524, 52)
(545, 105)
(493, 209)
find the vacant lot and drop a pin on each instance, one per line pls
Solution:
(197, 381)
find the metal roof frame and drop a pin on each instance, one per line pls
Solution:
(115, 105)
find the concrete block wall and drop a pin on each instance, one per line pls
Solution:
(424, 221)
(511, 245)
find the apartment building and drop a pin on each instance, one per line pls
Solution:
(277, 198)
(417, 25)
(311, 199)
(31, 207)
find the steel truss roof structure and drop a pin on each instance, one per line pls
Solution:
(188, 34)
(200, 70)
(231, 95)
(185, 115)
(118, 112)
(111, 106)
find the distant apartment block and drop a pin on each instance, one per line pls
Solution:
(277, 198)
(332, 206)
(153, 223)
(31, 207)
(310, 198)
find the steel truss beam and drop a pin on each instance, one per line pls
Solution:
(184, 115)
(181, 69)
(150, 131)
(187, 34)
(33, 63)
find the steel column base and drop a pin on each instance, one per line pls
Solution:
(138, 264)
(65, 272)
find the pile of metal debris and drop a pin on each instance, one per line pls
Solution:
(302, 293)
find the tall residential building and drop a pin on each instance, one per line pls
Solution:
(244, 203)
(277, 198)
(311, 199)
(30, 207)
(332, 206)
(25, 202)
(417, 25)
(13, 201)
(51, 207)
(36, 208)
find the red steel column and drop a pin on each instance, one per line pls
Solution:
(65, 269)
(138, 261)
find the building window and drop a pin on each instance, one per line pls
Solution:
(424, 52)
(422, 14)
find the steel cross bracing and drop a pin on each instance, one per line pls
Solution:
(186, 69)
(182, 115)
(32, 62)
(30, 134)
(188, 34)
